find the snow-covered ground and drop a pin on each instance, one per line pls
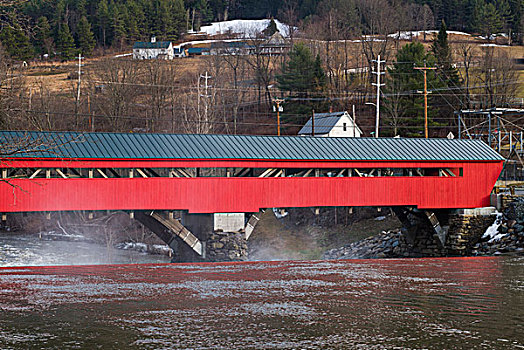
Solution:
(406, 35)
(493, 45)
(159, 249)
(243, 26)
(123, 55)
(492, 231)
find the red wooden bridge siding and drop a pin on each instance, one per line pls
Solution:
(222, 194)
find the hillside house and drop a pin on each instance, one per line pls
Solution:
(229, 48)
(179, 51)
(153, 50)
(275, 45)
(333, 124)
(197, 51)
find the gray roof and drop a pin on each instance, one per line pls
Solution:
(180, 146)
(324, 122)
(151, 45)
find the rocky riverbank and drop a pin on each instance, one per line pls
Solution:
(390, 244)
(506, 235)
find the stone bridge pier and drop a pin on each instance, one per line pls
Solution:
(223, 236)
(202, 237)
(444, 232)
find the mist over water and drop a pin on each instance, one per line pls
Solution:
(29, 250)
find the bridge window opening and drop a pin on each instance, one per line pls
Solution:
(40, 173)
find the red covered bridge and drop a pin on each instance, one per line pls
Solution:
(59, 171)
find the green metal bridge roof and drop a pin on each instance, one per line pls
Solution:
(31, 144)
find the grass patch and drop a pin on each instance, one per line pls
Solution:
(46, 73)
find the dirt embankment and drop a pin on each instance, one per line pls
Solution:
(304, 235)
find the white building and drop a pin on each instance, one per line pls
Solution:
(333, 124)
(153, 50)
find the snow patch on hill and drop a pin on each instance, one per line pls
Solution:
(406, 35)
(243, 26)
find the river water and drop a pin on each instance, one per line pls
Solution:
(450, 303)
(29, 250)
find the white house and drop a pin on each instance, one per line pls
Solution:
(179, 51)
(153, 50)
(333, 124)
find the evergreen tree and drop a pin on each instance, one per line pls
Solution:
(135, 21)
(206, 15)
(319, 76)
(442, 52)
(504, 10)
(516, 8)
(59, 14)
(271, 28)
(15, 40)
(490, 20)
(65, 43)
(472, 11)
(43, 37)
(177, 19)
(118, 26)
(302, 73)
(103, 20)
(447, 74)
(81, 6)
(163, 19)
(405, 82)
(170, 18)
(7, 37)
(86, 39)
(302, 76)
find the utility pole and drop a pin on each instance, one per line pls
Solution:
(206, 77)
(378, 85)
(354, 122)
(91, 121)
(79, 77)
(313, 124)
(78, 87)
(425, 69)
(278, 102)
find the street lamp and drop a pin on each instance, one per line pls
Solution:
(378, 118)
(278, 108)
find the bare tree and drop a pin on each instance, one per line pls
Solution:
(395, 110)
(198, 115)
(289, 14)
(115, 81)
(427, 18)
(234, 70)
(12, 90)
(378, 20)
(466, 52)
(499, 78)
(159, 77)
(263, 65)
(41, 107)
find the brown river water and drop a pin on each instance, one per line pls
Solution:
(449, 303)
